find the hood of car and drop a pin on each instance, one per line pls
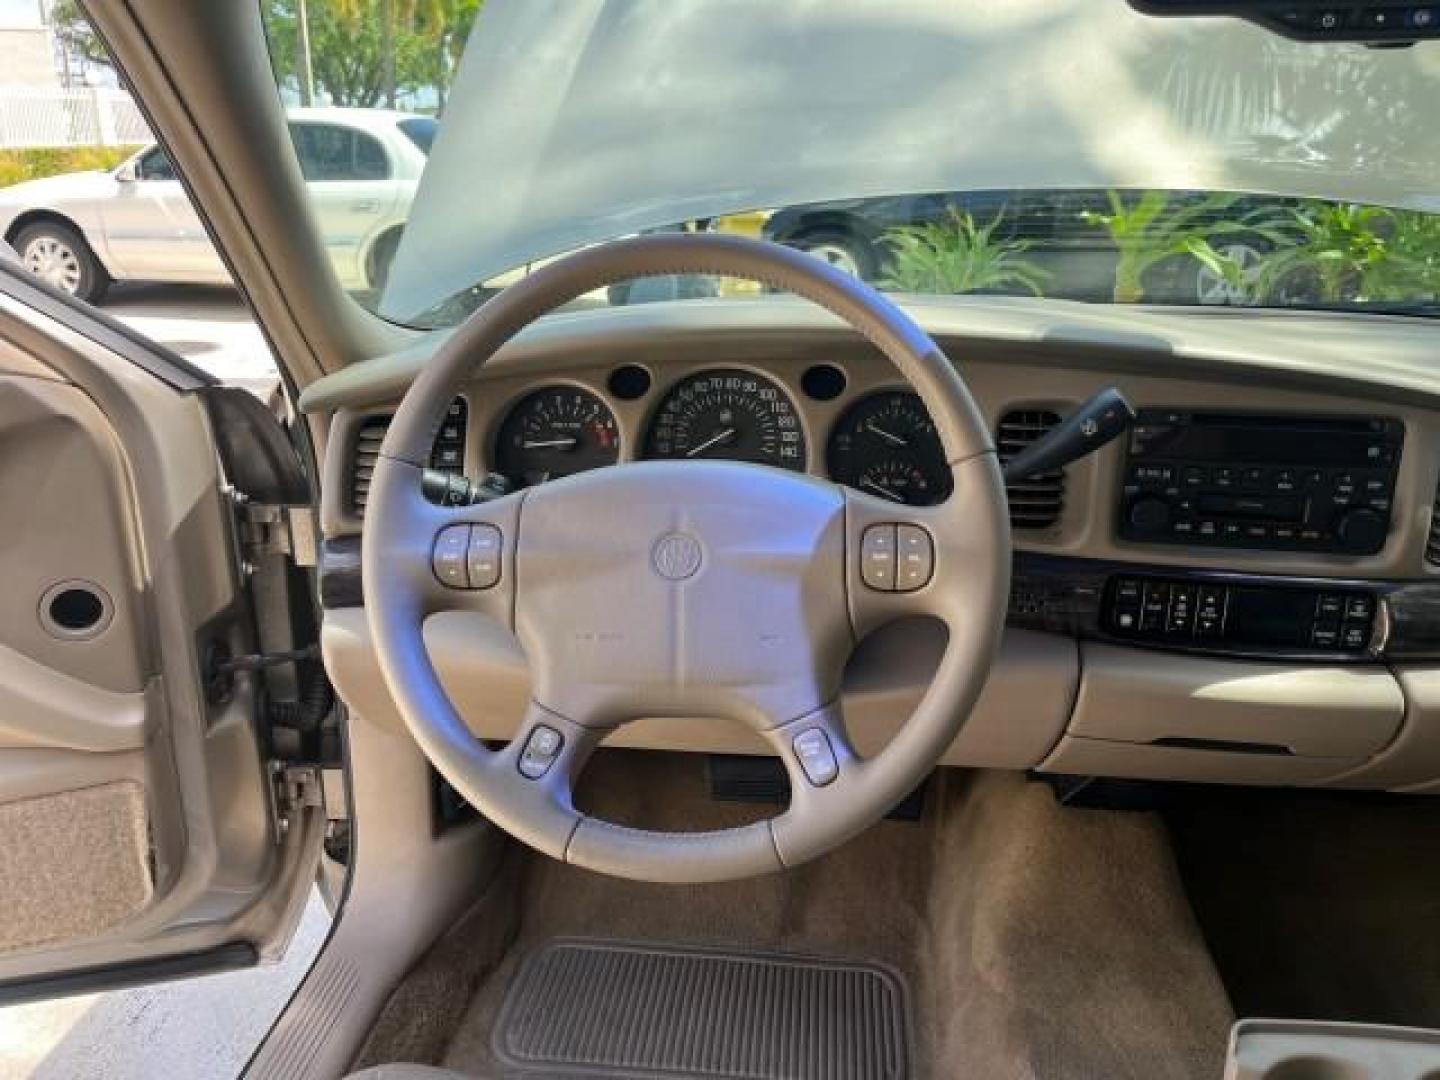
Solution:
(53, 189)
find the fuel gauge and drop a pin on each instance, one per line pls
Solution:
(886, 445)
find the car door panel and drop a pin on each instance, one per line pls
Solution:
(137, 827)
(152, 231)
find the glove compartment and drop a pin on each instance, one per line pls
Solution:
(1154, 715)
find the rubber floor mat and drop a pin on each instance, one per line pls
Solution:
(580, 1008)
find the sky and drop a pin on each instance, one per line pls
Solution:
(19, 13)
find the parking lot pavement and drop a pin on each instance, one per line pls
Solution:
(210, 327)
(206, 1028)
(199, 1029)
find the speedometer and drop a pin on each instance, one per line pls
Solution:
(887, 444)
(731, 414)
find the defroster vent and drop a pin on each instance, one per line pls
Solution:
(1035, 503)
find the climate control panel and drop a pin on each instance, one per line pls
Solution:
(1244, 617)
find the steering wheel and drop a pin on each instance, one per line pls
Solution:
(686, 589)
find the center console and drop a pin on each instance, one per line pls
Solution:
(1281, 482)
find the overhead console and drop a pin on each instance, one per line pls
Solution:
(1279, 482)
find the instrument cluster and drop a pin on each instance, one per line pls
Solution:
(883, 442)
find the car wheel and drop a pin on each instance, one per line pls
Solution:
(840, 249)
(1211, 289)
(59, 255)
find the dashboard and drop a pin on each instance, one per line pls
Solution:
(1246, 588)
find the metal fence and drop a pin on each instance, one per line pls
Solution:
(54, 118)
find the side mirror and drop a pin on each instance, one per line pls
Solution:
(127, 173)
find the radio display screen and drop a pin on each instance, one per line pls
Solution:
(1212, 437)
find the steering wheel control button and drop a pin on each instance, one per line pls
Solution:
(448, 559)
(915, 558)
(482, 556)
(816, 756)
(877, 558)
(541, 750)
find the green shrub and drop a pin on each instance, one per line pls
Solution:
(20, 165)
(1149, 229)
(958, 256)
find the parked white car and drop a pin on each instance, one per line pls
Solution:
(83, 231)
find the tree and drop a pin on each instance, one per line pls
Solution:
(77, 36)
(353, 53)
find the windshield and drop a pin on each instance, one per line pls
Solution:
(1070, 149)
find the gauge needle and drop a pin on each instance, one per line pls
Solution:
(549, 444)
(879, 489)
(896, 439)
(719, 436)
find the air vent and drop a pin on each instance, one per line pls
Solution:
(448, 454)
(368, 438)
(1035, 503)
(1432, 542)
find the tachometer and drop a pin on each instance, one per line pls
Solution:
(555, 432)
(731, 414)
(886, 444)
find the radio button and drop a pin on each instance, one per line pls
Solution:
(1325, 637)
(1194, 476)
(1207, 529)
(1257, 532)
(1329, 606)
(1224, 477)
(1287, 533)
(1286, 480)
(1355, 636)
(1253, 477)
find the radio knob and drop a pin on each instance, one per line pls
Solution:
(1149, 514)
(1361, 531)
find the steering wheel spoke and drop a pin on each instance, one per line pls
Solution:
(533, 778)
(922, 560)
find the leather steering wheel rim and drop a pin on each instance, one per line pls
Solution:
(766, 583)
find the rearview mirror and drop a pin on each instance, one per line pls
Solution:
(127, 173)
(1316, 20)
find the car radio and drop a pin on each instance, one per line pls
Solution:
(1282, 482)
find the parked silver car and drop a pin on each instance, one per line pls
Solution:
(82, 231)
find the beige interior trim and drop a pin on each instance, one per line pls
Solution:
(1311, 710)
(1018, 719)
(1328, 1050)
(42, 707)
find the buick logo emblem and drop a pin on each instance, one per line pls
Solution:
(676, 556)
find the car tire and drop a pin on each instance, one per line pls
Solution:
(841, 249)
(57, 254)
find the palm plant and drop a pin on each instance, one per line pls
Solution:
(1148, 231)
(958, 256)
